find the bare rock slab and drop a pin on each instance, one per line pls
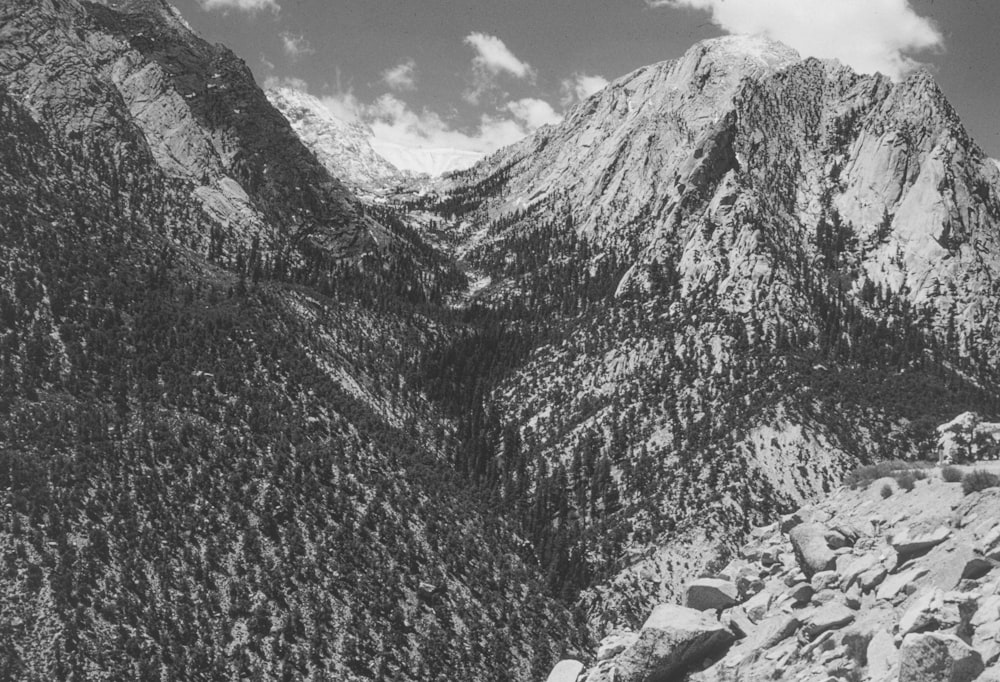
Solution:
(917, 539)
(672, 640)
(814, 555)
(708, 594)
(565, 671)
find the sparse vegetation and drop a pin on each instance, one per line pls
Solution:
(951, 474)
(979, 479)
(886, 491)
(906, 480)
(864, 476)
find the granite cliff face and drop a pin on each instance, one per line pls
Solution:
(765, 255)
(133, 73)
(740, 152)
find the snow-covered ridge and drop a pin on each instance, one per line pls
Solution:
(344, 148)
(427, 161)
(350, 151)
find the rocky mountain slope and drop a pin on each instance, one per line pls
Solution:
(895, 579)
(774, 268)
(345, 149)
(113, 76)
(350, 151)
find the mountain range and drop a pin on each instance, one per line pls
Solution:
(276, 409)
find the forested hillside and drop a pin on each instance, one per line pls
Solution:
(210, 466)
(252, 427)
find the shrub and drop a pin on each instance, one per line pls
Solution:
(907, 480)
(980, 479)
(951, 474)
(886, 491)
(863, 476)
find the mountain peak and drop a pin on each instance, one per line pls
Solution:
(759, 48)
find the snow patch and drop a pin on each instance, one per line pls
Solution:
(426, 161)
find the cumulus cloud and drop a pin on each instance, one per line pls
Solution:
(401, 78)
(251, 6)
(394, 121)
(295, 46)
(494, 57)
(534, 113)
(345, 105)
(869, 35)
(580, 87)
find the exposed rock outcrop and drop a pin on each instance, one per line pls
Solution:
(925, 619)
(672, 640)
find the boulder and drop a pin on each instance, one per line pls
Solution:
(918, 538)
(882, 655)
(565, 671)
(770, 556)
(708, 594)
(826, 596)
(977, 567)
(672, 640)
(825, 580)
(738, 622)
(989, 545)
(801, 593)
(872, 578)
(758, 605)
(837, 540)
(985, 624)
(936, 657)
(991, 675)
(809, 543)
(900, 583)
(614, 644)
(922, 613)
(831, 616)
(772, 631)
(852, 597)
(856, 567)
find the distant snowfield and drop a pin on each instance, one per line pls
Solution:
(433, 162)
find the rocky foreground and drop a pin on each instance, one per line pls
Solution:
(873, 584)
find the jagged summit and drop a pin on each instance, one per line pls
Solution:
(759, 48)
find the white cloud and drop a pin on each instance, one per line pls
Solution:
(534, 113)
(295, 46)
(275, 82)
(402, 77)
(345, 106)
(580, 87)
(242, 5)
(392, 120)
(494, 57)
(869, 35)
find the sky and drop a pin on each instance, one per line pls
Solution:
(474, 75)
